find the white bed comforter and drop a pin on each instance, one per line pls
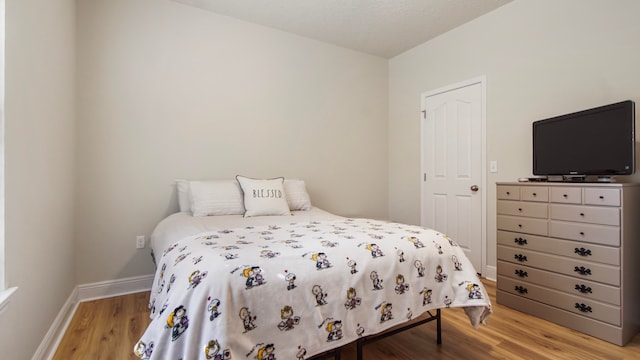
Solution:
(289, 291)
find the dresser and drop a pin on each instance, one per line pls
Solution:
(570, 253)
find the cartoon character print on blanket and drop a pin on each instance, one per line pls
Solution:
(293, 291)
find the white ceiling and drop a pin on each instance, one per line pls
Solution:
(384, 28)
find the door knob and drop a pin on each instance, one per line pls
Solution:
(474, 188)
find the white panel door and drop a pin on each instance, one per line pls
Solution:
(452, 166)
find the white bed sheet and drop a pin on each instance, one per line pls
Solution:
(180, 225)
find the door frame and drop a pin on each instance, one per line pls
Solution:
(482, 80)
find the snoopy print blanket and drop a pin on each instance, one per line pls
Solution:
(292, 291)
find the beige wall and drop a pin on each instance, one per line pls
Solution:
(541, 58)
(39, 173)
(168, 91)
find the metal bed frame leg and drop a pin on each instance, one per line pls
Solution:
(438, 327)
(359, 344)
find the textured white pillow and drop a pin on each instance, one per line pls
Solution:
(217, 197)
(296, 193)
(263, 196)
(184, 195)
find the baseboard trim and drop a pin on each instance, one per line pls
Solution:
(491, 273)
(52, 339)
(87, 292)
(110, 288)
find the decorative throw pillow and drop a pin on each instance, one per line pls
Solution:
(263, 196)
(296, 193)
(217, 197)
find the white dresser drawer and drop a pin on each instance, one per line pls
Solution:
(604, 197)
(534, 193)
(575, 304)
(606, 274)
(577, 322)
(570, 285)
(567, 195)
(572, 249)
(596, 234)
(519, 208)
(524, 225)
(508, 192)
(586, 214)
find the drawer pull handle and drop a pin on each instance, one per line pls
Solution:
(522, 289)
(534, 194)
(520, 209)
(582, 270)
(582, 233)
(520, 257)
(520, 241)
(582, 214)
(565, 196)
(520, 226)
(601, 197)
(521, 273)
(583, 289)
(584, 308)
(582, 251)
(508, 193)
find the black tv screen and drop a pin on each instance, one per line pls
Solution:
(598, 141)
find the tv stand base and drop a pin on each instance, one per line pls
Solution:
(575, 178)
(606, 179)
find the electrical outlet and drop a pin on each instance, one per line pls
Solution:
(140, 242)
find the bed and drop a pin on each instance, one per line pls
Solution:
(249, 282)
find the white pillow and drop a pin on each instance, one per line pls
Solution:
(263, 196)
(217, 197)
(184, 195)
(296, 193)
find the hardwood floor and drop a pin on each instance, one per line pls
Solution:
(108, 329)
(105, 329)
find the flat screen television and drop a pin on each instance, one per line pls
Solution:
(598, 141)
